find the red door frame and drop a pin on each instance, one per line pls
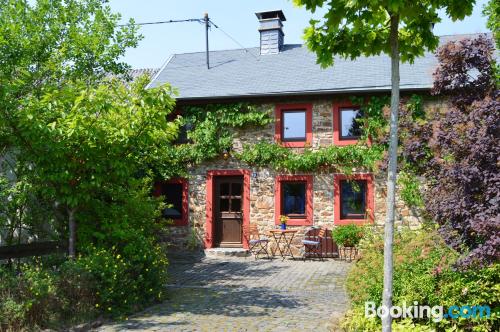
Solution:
(209, 224)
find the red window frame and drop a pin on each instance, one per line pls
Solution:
(185, 198)
(370, 204)
(337, 107)
(308, 179)
(278, 126)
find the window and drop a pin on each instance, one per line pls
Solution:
(346, 127)
(352, 199)
(230, 197)
(294, 125)
(175, 193)
(182, 137)
(293, 198)
(353, 202)
(350, 128)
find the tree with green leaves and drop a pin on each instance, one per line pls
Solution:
(492, 11)
(77, 134)
(399, 28)
(87, 143)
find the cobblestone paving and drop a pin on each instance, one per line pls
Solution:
(246, 295)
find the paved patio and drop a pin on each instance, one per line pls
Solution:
(241, 294)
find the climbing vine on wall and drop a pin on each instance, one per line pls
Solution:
(330, 158)
(212, 128)
(210, 132)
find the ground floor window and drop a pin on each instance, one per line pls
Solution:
(175, 192)
(293, 198)
(353, 198)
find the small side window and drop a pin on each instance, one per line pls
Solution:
(175, 193)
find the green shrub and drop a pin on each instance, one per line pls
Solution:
(41, 296)
(126, 279)
(422, 272)
(56, 293)
(348, 235)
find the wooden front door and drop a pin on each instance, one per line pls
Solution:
(228, 211)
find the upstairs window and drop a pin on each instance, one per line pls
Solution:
(347, 127)
(293, 125)
(182, 137)
(350, 127)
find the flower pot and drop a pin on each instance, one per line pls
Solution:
(283, 226)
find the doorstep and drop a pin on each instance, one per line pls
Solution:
(226, 252)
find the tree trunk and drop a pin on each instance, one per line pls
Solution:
(72, 233)
(391, 176)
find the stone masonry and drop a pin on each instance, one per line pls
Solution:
(262, 209)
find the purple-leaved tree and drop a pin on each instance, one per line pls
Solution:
(459, 151)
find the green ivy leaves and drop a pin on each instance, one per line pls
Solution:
(332, 158)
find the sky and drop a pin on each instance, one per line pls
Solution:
(235, 17)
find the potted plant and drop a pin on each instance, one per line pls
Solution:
(347, 237)
(283, 221)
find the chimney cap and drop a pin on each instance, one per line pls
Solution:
(271, 14)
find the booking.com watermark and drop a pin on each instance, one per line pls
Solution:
(436, 313)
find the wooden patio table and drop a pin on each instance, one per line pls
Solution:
(283, 239)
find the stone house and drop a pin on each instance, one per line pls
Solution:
(311, 108)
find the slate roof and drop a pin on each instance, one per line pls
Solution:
(240, 73)
(135, 73)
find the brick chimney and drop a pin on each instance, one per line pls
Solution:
(271, 31)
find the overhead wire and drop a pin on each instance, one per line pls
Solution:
(233, 39)
(199, 20)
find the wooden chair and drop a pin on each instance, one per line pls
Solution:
(312, 243)
(257, 243)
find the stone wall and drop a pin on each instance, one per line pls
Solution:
(262, 210)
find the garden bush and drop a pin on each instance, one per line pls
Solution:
(348, 235)
(423, 272)
(126, 279)
(38, 295)
(103, 282)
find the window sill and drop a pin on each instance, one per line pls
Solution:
(291, 144)
(178, 222)
(344, 142)
(299, 222)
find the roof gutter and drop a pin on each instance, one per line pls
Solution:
(306, 93)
